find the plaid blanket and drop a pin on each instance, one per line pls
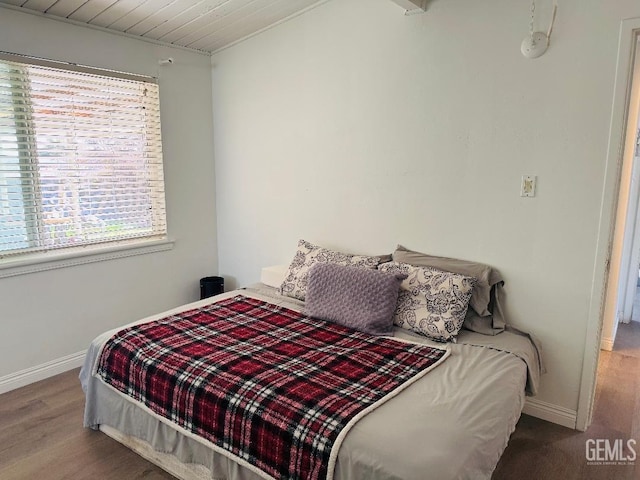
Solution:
(269, 387)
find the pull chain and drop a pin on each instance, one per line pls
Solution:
(533, 13)
(536, 43)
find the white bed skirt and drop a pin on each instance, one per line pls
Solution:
(166, 461)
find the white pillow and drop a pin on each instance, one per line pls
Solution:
(274, 275)
(431, 302)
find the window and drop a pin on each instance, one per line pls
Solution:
(80, 157)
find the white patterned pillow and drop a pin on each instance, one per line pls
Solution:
(308, 254)
(431, 302)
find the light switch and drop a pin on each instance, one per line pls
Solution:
(528, 186)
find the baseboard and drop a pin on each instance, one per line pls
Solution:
(41, 372)
(550, 413)
(606, 344)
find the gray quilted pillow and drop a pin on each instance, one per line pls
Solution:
(355, 297)
(307, 255)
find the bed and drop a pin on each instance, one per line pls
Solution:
(453, 422)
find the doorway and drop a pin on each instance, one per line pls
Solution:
(613, 255)
(621, 291)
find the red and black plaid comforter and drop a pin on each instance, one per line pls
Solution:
(265, 383)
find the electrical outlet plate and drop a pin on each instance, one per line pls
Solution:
(528, 186)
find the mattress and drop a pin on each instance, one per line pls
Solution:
(453, 423)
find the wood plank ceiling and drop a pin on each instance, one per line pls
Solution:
(207, 25)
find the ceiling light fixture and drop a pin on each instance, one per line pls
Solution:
(536, 43)
(412, 6)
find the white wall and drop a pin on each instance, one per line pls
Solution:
(49, 315)
(357, 128)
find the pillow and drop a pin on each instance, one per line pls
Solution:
(272, 276)
(489, 325)
(431, 302)
(487, 278)
(308, 254)
(385, 258)
(355, 297)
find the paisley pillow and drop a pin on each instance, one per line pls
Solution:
(307, 255)
(488, 279)
(431, 302)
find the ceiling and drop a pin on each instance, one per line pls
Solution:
(206, 25)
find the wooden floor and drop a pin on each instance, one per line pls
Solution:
(41, 438)
(41, 433)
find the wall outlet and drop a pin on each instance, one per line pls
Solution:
(528, 186)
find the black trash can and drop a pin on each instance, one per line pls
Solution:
(210, 286)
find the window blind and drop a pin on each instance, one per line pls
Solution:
(80, 158)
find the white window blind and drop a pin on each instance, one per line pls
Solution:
(80, 157)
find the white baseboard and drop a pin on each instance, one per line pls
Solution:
(550, 413)
(606, 344)
(40, 372)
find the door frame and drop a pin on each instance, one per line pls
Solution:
(628, 40)
(632, 254)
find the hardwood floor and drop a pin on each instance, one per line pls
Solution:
(41, 433)
(41, 437)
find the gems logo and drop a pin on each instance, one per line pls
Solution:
(603, 451)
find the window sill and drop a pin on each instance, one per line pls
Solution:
(41, 262)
